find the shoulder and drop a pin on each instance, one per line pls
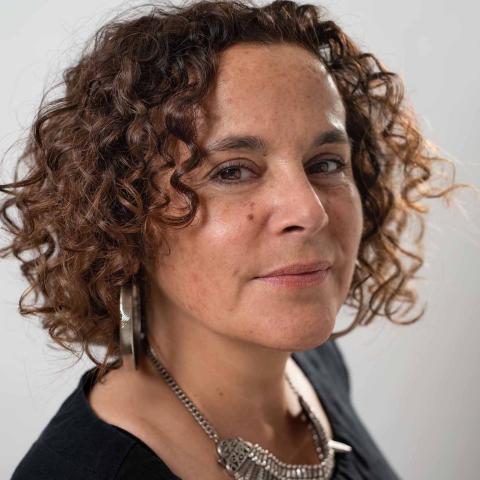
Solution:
(75, 444)
(43, 463)
(142, 463)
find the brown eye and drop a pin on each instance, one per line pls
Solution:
(324, 167)
(227, 173)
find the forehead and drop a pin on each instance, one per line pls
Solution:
(281, 88)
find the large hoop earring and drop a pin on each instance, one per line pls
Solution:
(131, 328)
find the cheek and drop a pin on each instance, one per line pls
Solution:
(215, 245)
(228, 223)
(227, 238)
(219, 249)
(344, 208)
(345, 224)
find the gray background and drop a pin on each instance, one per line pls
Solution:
(416, 387)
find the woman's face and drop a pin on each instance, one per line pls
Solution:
(289, 202)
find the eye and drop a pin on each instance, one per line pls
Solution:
(231, 172)
(324, 168)
(225, 174)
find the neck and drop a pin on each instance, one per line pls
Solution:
(240, 388)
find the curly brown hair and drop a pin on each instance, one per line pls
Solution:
(89, 214)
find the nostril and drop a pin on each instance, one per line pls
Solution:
(293, 227)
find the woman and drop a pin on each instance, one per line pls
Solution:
(214, 183)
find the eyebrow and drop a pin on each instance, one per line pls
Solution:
(253, 143)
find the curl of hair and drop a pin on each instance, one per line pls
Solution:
(90, 216)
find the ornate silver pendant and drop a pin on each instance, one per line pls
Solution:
(247, 461)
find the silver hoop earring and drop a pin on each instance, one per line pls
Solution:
(131, 331)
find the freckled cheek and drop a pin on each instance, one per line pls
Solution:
(223, 243)
(233, 220)
(194, 291)
(346, 228)
(344, 209)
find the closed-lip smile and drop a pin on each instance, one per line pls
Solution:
(299, 268)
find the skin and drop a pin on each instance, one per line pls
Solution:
(225, 336)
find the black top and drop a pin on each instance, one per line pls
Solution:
(78, 445)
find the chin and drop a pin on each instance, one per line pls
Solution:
(308, 343)
(304, 337)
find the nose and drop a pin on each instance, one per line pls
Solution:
(297, 204)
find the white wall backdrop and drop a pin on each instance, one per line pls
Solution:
(416, 387)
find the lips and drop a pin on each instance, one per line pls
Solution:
(299, 268)
(299, 280)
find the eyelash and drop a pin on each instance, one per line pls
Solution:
(215, 176)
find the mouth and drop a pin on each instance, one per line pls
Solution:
(299, 268)
(294, 280)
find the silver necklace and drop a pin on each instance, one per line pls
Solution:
(247, 461)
